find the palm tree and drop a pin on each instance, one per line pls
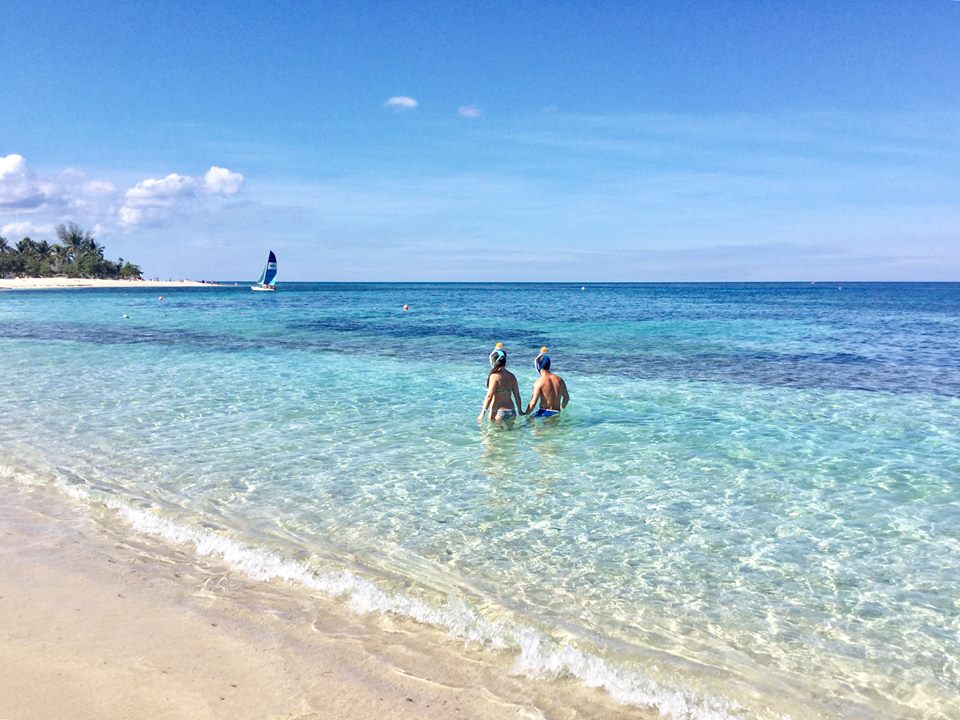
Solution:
(74, 239)
(44, 260)
(59, 258)
(27, 247)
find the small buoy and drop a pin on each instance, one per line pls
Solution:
(161, 298)
(406, 307)
(126, 317)
(583, 288)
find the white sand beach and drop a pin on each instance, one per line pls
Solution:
(53, 283)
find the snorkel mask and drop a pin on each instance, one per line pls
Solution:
(498, 356)
(543, 360)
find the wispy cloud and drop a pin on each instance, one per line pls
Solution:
(400, 103)
(667, 197)
(469, 111)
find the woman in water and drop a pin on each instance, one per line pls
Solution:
(501, 388)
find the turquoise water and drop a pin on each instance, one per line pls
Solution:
(751, 509)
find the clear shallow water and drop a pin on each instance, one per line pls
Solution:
(752, 508)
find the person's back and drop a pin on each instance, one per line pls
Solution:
(550, 391)
(501, 388)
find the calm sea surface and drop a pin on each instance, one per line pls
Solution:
(751, 509)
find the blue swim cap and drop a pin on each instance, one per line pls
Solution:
(543, 360)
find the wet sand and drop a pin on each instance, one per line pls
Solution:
(98, 624)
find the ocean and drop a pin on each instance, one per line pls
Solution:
(751, 508)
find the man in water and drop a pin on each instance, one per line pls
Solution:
(549, 390)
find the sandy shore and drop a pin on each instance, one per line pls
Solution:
(98, 624)
(61, 283)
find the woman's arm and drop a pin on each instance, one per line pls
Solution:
(488, 398)
(516, 393)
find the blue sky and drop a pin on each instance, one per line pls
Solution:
(622, 141)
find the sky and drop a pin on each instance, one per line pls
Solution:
(641, 140)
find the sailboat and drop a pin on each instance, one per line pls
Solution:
(268, 276)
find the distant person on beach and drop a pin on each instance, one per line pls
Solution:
(502, 387)
(549, 390)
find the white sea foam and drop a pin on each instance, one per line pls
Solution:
(538, 655)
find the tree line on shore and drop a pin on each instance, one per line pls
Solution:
(77, 254)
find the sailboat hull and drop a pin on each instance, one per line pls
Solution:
(263, 288)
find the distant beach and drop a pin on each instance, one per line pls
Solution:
(53, 283)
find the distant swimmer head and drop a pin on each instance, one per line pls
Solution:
(498, 358)
(543, 360)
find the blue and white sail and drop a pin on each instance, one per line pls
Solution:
(269, 274)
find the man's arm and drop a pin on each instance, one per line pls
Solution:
(564, 395)
(534, 399)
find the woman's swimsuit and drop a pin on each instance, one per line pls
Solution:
(504, 413)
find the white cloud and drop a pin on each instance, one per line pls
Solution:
(71, 195)
(469, 111)
(67, 195)
(11, 166)
(150, 202)
(79, 196)
(220, 181)
(20, 188)
(22, 229)
(399, 103)
(153, 202)
(73, 182)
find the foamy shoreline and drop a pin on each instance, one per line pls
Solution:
(130, 626)
(55, 283)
